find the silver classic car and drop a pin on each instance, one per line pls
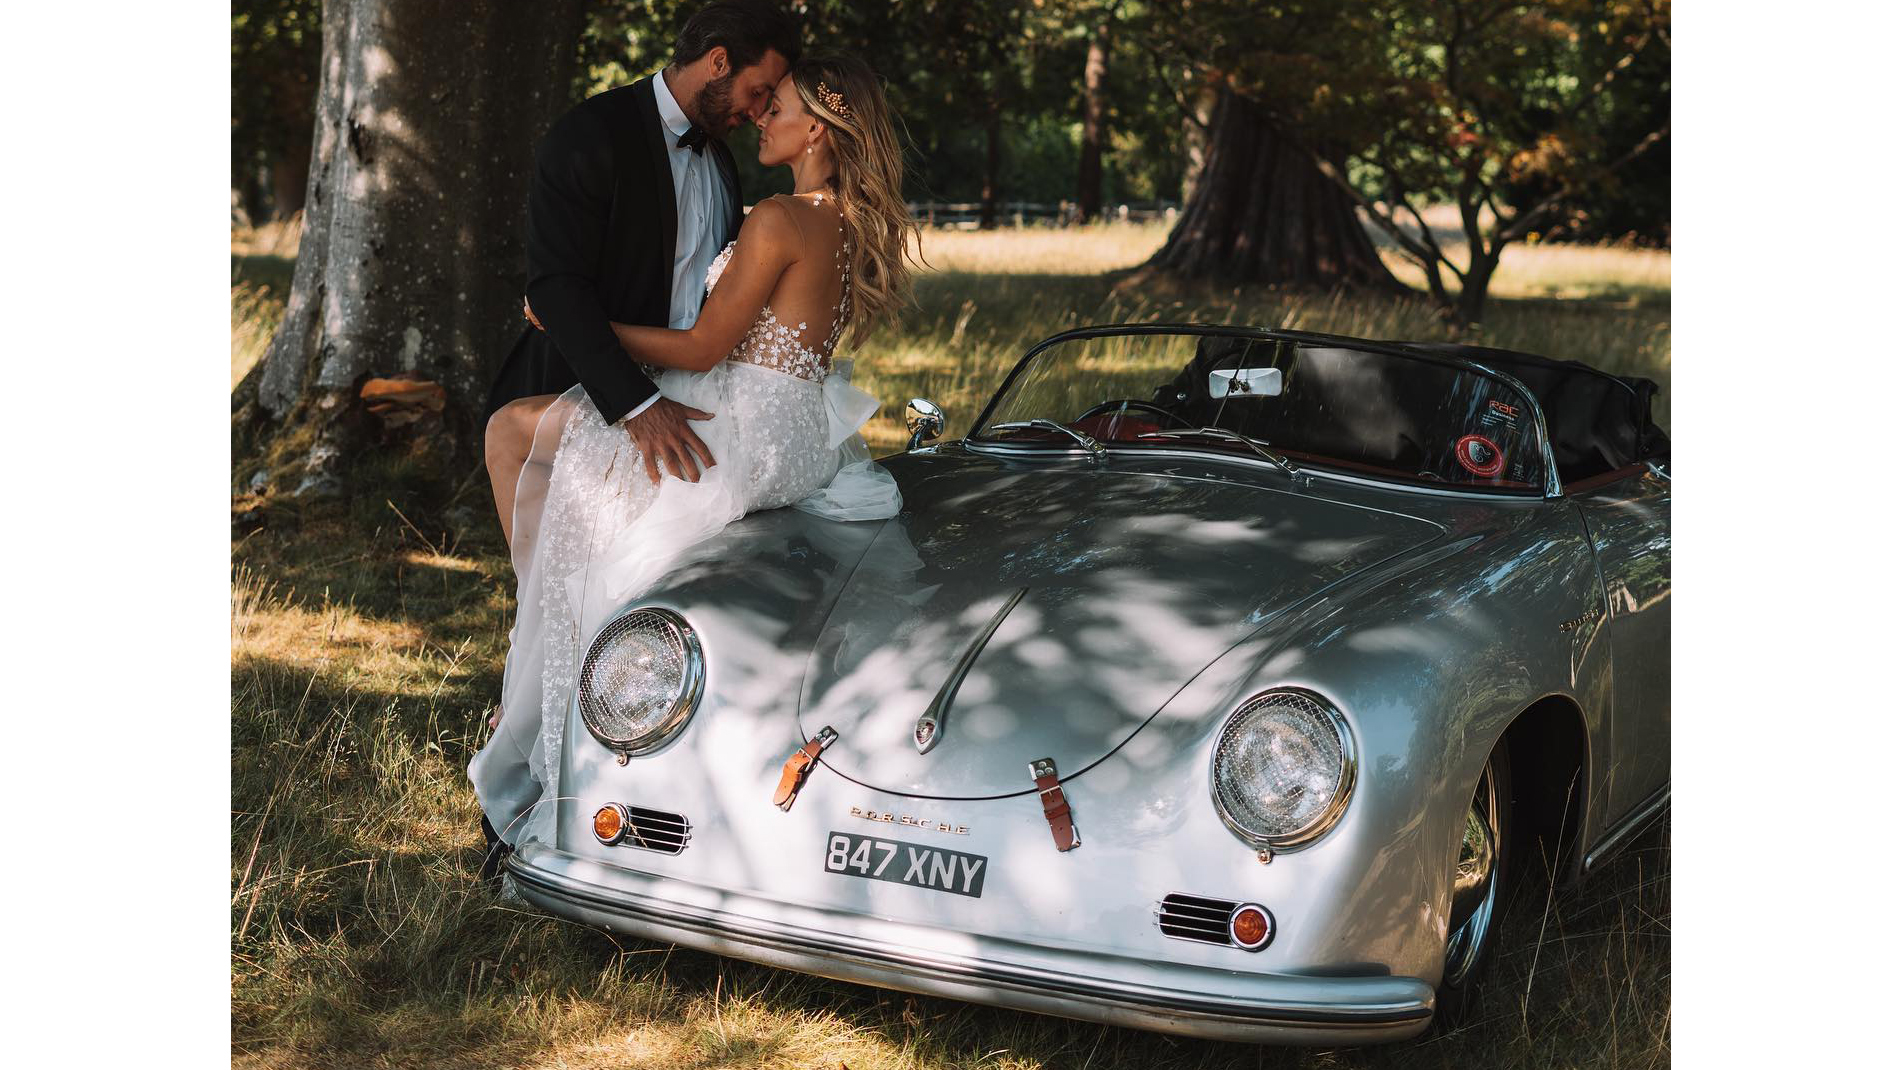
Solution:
(1215, 682)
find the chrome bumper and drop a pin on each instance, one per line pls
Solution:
(1149, 994)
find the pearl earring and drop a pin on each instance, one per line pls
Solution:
(809, 150)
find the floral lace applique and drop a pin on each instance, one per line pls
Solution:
(772, 344)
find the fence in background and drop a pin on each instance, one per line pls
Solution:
(966, 216)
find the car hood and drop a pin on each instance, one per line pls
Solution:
(1073, 603)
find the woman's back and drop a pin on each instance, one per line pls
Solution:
(800, 324)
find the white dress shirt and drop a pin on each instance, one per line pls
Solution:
(700, 212)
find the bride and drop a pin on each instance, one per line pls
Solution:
(591, 523)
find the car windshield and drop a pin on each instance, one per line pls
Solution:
(1315, 405)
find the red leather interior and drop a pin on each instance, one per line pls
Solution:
(1108, 426)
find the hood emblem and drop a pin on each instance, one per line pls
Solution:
(930, 727)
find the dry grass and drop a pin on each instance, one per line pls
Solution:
(367, 642)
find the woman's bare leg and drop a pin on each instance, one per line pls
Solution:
(506, 445)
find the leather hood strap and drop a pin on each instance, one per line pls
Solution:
(799, 766)
(1056, 808)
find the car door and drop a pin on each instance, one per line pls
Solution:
(1629, 519)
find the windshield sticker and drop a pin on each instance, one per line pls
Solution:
(1480, 455)
(1498, 414)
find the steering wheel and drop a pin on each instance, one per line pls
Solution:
(1109, 407)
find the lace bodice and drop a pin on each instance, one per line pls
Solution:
(772, 344)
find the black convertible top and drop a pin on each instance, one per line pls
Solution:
(1596, 421)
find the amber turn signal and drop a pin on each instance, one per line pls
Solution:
(1250, 927)
(609, 823)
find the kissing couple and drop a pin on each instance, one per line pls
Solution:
(676, 372)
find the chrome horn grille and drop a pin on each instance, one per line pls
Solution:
(655, 830)
(1194, 917)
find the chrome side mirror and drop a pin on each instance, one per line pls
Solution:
(924, 420)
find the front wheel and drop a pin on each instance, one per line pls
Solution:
(1479, 876)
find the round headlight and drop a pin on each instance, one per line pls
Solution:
(1283, 768)
(641, 680)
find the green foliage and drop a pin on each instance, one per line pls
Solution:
(947, 65)
(276, 47)
(1634, 202)
(1427, 96)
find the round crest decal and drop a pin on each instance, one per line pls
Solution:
(1480, 455)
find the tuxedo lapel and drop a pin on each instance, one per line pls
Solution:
(730, 175)
(667, 213)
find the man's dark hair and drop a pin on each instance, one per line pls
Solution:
(747, 28)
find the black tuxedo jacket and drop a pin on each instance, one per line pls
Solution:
(601, 229)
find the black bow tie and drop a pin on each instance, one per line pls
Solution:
(695, 138)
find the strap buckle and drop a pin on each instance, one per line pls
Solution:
(799, 765)
(1056, 807)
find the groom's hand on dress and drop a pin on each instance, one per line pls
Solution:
(661, 433)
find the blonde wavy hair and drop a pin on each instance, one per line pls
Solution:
(869, 182)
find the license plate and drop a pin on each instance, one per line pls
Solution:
(915, 864)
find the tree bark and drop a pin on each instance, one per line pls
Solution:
(427, 117)
(1089, 180)
(1262, 212)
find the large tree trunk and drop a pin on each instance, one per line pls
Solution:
(1089, 179)
(1263, 213)
(411, 259)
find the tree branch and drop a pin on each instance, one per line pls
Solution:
(1168, 85)
(1427, 257)
(1399, 196)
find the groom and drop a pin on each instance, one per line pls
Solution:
(633, 195)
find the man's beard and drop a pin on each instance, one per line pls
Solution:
(714, 105)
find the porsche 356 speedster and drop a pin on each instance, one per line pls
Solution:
(1215, 683)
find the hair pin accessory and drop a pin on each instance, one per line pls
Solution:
(835, 101)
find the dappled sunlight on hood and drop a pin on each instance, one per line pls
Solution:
(1131, 583)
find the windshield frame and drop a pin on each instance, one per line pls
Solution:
(1399, 351)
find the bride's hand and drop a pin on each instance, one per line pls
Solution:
(530, 313)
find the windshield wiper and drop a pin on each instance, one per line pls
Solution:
(1222, 432)
(1097, 452)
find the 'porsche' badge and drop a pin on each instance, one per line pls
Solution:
(923, 733)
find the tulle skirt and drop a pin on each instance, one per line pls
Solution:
(593, 532)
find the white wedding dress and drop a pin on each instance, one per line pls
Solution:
(592, 531)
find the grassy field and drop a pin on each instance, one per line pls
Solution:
(367, 643)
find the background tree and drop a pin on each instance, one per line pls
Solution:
(1089, 176)
(275, 49)
(1487, 96)
(1261, 209)
(427, 115)
(1404, 104)
(1633, 203)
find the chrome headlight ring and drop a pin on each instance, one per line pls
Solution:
(1308, 775)
(641, 681)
